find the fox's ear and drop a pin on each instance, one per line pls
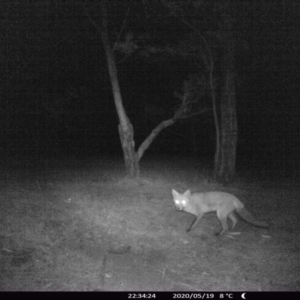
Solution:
(175, 194)
(187, 193)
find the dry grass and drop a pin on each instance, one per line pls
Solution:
(68, 226)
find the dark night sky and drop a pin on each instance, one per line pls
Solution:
(50, 51)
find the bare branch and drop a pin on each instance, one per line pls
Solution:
(122, 28)
(193, 88)
(204, 110)
(147, 142)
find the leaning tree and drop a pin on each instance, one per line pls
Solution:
(126, 130)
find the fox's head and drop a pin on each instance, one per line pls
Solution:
(181, 200)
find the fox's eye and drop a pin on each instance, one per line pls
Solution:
(176, 201)
(183, 202)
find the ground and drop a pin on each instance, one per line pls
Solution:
(85, 226)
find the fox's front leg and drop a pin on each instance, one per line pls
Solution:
(195, 222)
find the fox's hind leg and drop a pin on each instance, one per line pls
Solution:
(223, 219)
(234, 220)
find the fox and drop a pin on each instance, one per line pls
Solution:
(224, 204)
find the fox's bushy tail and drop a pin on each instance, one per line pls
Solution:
(249, 218)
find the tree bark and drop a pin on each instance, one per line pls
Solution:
(226, 166)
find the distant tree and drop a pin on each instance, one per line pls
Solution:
(225, 165)
(202, 44)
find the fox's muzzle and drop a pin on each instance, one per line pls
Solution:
(178, 208)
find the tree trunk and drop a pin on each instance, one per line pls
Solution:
(226, 166)
(130, 157)
(209, 63)
(125, 127)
